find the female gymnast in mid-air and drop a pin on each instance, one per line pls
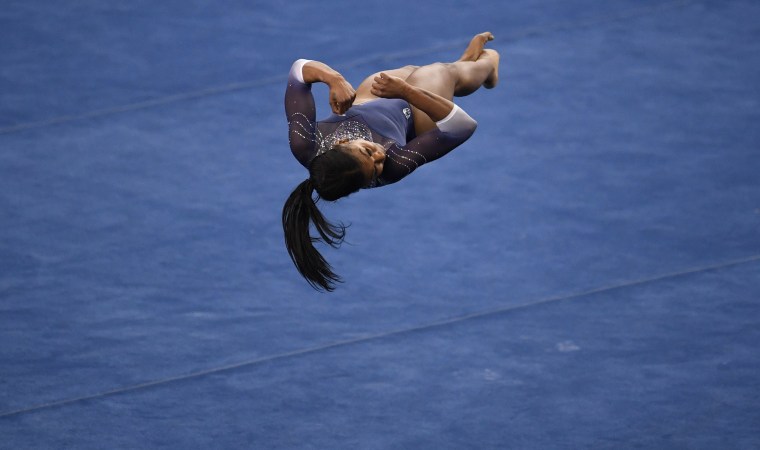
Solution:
(394, 122)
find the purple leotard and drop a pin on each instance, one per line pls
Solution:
(385, 121)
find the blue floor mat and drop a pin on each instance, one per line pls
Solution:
(582, 273)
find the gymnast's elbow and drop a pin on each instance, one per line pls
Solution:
(465, 129)
(458, 122)
(471, 127)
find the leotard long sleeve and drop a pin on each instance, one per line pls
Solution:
(385, 121)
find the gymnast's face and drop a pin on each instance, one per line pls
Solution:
(371, 157)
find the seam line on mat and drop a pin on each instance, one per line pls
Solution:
(374, 337)
(231, 87)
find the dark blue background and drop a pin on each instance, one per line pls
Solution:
(583, 273)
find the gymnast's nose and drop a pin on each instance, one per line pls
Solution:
(378, 155)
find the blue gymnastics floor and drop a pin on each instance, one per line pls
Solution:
(583, 273)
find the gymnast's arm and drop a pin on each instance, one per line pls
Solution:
(448, 134)
(299, 104)
(342, 94)
(453, 127)
(301, 114)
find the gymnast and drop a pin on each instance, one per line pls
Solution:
(394, 122)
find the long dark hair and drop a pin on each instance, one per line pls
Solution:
(333, 175)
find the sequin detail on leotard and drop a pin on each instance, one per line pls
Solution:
(346, 131)
(306, 134)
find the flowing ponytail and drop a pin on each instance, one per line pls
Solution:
(299, 210)
(334, 174)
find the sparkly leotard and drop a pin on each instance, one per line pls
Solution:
(385, 121)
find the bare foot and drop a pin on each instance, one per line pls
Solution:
(492, 79)
(475, 48)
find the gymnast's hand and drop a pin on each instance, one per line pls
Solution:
(386, 86)
(342, 95)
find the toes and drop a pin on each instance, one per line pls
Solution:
(487, 35)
